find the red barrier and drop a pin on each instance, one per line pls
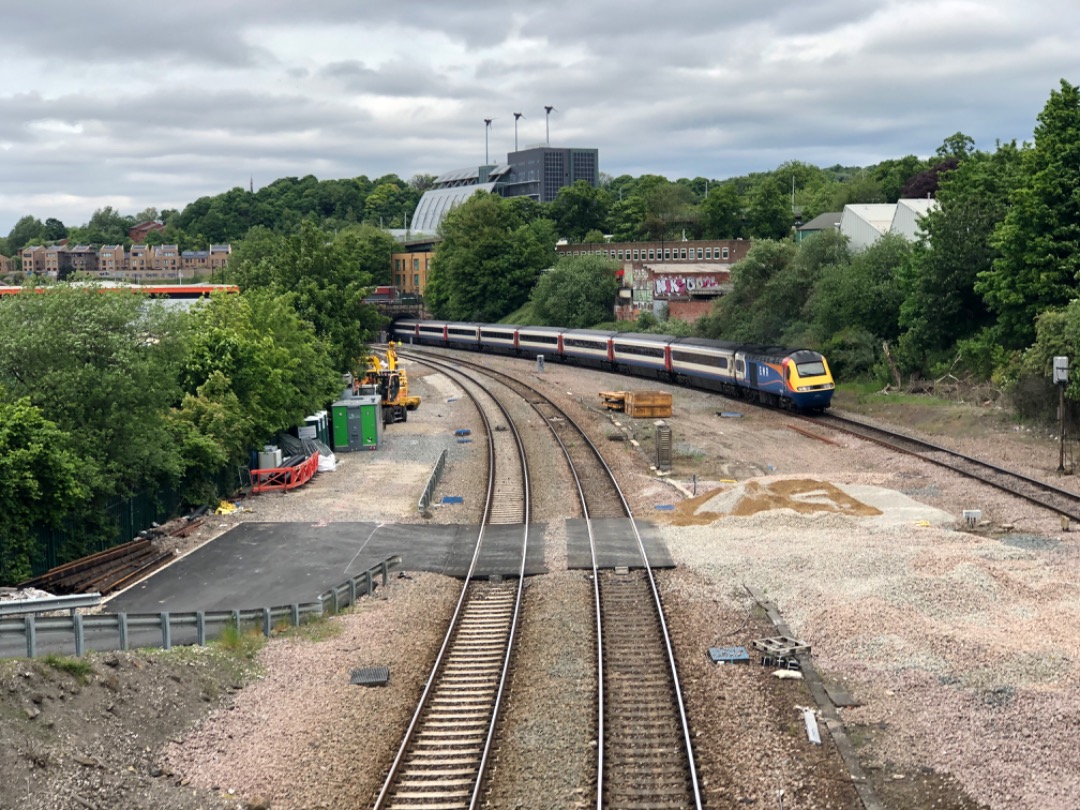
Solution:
(284, 478)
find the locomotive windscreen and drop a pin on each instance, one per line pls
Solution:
(815, 368)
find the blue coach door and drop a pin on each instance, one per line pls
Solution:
(751, 368)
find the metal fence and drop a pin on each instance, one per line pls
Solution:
(433, 481)
(120, 631)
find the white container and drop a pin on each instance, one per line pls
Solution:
(270, 457)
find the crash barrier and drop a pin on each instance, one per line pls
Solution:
(114, 631)
(49, 603)
(284, 478)
(433, 481)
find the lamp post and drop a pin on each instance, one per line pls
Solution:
(487, 128)
(548, 109)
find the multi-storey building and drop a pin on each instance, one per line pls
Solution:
(537, 172)
(139, 259)
(33, 259)
(112, 259)
(166, 259)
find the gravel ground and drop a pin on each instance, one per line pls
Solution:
(961, 646)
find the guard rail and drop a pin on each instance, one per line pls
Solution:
(179, 628)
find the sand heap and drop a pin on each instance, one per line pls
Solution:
(805, 496)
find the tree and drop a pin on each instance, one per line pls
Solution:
(864, 294)
(577, 293)
(941, 306)
(668, 208)
(102, 367)
(252, 368)
(487, 261)
(28, 230)
(957, 146)
(43, 482)
(327, 288)
(768, 213)
(579, 208)
(55, 230)
(721, 213)
(893, 175)
(743, 314)
(1038, 241)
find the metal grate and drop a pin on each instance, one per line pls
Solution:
(370, 676)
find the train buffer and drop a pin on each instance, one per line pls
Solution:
(638, 404)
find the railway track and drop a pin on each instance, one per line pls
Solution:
(646, 759)
(443, 757)
(1041, 493)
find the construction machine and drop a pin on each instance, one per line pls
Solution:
(392, 385)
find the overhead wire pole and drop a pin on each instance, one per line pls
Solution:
(516, 117)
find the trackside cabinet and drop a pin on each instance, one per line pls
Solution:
(357, 423)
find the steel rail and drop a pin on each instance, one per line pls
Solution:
(646, 567)
(386, 795)
(894, 440)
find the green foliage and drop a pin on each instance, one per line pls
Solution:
(243, 644)
(852, 353)
(488, 260)
(102, 367)
(744, 314)
(1038, 242)
(579, 292)
(79, 668)
(721, 213)
(42, 481)
(768, 211)
(253, 368)
(863, 294)
(579, 209)
(941, 306)
(27, 231)
(327, 281)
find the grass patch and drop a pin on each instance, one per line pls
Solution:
(312, 628)
(241, 643)
(78, 668)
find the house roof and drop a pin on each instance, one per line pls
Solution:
(830, 219)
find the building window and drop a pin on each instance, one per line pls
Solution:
(416, 281)
(699, 254)
(415, 265)
(683, 254)
(620, 255)
(635, 254)
(651, 254)
(725, 253)
(708, 253)
(667, 254)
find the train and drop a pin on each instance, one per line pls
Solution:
(792, 379)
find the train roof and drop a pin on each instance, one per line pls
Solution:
(644, 337)
(588, 333)
(543, 330)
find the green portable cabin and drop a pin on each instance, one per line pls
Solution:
(357, 424)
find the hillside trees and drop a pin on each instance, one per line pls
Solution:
(488, 260)
(1038, 242)
(578, 209)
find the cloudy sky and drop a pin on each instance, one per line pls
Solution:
(104, 102)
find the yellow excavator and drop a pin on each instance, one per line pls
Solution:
(392, 384)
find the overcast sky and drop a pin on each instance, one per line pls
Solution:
(105, 102)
